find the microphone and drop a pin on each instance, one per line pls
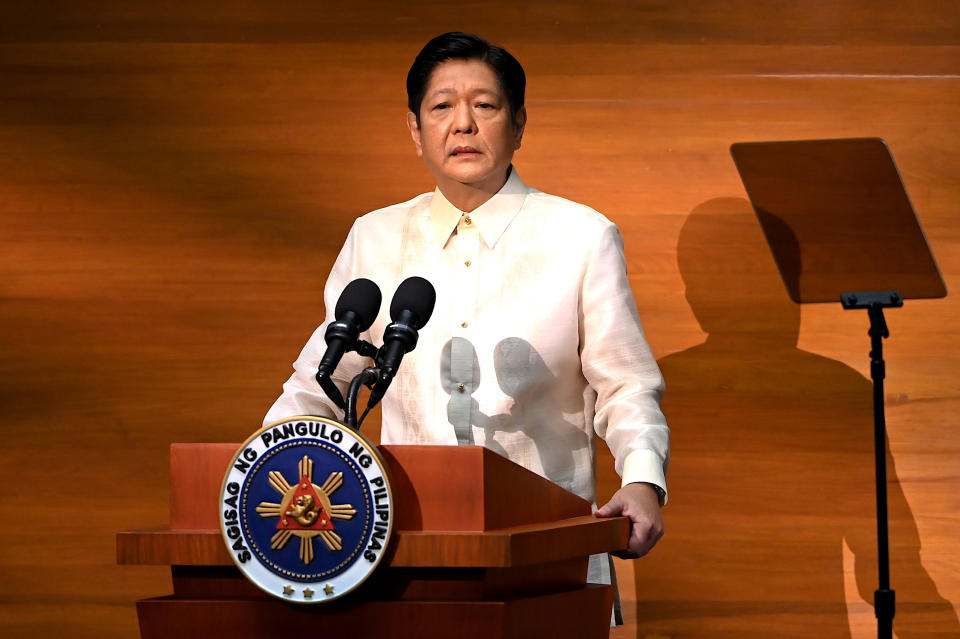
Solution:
(356, 310)
(410, 309)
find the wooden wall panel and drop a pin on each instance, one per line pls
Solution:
(175, 182)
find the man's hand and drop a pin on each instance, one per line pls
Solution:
(639, 502)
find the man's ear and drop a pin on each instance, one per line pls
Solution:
(414, 131)
(519, 122)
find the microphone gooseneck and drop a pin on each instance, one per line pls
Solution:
(355, 312)
(410, 310)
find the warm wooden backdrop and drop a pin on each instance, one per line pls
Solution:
(175, 182)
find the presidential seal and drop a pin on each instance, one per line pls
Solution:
(306, 509)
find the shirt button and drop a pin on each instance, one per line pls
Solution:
(464, 325)
(462, 388)
(467, 220)
(467, 263)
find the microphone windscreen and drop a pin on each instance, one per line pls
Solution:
(414, 294)
(363, 298)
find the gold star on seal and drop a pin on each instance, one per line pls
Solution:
(307, 593)
(288, 590)
(328, 589)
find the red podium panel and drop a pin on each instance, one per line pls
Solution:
(481, 548)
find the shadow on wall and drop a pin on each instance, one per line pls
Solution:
(772, 466)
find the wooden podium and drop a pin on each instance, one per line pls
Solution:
(481, 548)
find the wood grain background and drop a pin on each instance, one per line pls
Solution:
(176, 179)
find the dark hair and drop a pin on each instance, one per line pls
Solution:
(457, 45)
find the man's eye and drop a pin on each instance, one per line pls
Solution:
(484, 105)
(441, 106)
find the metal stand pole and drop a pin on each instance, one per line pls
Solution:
(884, 598)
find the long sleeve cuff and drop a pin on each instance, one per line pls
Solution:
(644, 465)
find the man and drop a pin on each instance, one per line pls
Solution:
(531, 291)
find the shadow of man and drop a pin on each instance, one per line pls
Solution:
(772, 469)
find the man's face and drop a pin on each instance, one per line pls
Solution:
(466, 135)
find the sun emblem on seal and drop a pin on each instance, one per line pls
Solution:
(306, 511)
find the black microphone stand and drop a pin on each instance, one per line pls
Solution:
(884, 598)
(368, 377)
(377, 379)
(364, 349)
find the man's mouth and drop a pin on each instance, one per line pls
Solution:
(464, 150)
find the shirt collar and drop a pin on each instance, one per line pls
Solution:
(491, 218)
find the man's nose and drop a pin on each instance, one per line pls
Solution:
(463, 120)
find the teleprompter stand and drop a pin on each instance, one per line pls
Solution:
(837, 218)
(884, 598)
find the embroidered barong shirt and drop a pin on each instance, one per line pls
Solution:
(534, 345)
